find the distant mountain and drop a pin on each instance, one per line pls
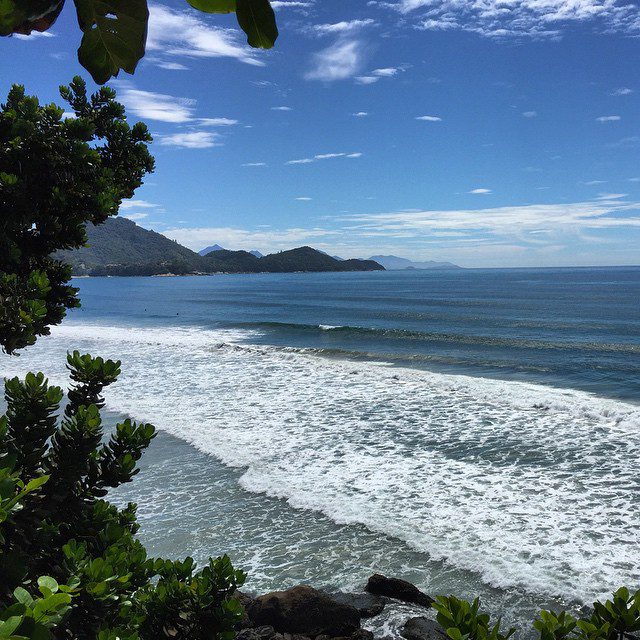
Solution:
(206, 250)
(394, 263)
(119, 247)
(256, 253)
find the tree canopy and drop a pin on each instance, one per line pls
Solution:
(57, 173)
(115, 31)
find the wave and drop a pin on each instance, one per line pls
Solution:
(379, 333)
(527, 486)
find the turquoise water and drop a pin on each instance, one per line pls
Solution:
(474, 431)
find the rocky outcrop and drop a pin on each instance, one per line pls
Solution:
(422, 629)
(304, 611)
(397, 589)
(368, 604)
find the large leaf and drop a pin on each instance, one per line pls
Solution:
(25, 16)
(214, 6)
(115, 33)
(258, 21)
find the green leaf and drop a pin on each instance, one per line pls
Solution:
(9, 626)
(115, 33)
(258, 21)
(25, 16)
(48, 583)
(36, 483)
(214, 6)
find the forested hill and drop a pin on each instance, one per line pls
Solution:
(119, 247)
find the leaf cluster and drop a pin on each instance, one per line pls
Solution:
(114, 32)
(71, 565)
(56, 175)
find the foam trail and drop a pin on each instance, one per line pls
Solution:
(528, 486)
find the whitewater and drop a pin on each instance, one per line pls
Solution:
(532, 489)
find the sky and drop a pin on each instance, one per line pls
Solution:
(489, 133)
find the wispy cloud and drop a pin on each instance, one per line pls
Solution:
(190, 140)
(291, 4)
(325, 156)
(304, 199)
(608, 118)
(34, 35)
(183, 34)
(480, 191)
(136, 216)
(138, 204)
(341, 60)
(336, 28)
(254, 164)
(529, 114)
(429, 118)
(378, 74)
(283, 108)
(360, 114)
(622, 91)
(518, 18)
(157, 106)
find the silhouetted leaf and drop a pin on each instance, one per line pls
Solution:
(258, 21)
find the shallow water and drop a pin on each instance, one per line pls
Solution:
(443, 431)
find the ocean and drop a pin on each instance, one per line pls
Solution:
(474, 431)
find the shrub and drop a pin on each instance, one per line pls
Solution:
(78, 553)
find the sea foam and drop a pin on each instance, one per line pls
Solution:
(528, 486)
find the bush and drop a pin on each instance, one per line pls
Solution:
(70, 563)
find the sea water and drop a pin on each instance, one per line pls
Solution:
(476, 432)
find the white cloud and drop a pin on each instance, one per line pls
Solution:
(33, 35)
(608, 118)
(191, 140)
(516, 18)
(254, 164)
(290, 4)
(480, 191)
(171, 66)
(304, 199)
(622, 91)
(360, 114)
(367, 79)
(281, 109)
(183, 34)
(217, 122)
(157, 106)
(325, 156)
(138, 204)
(346, 26)
(387, 72)
(529, 114)
(341, 60)
(429, 118)
(592, 183)
(136, 216)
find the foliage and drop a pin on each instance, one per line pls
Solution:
(463, 620)
(616, 619)
(57, 174)
(62, 538)
(115, 31)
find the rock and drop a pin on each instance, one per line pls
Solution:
(360, 634)
(257, 633)
(245, 600)
(305, 611)
(398, 589)
(422, 629)
(367, 604)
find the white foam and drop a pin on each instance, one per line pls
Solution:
(527, 485)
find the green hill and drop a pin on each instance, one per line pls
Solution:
(119, 247)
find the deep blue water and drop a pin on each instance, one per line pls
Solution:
(572, 328)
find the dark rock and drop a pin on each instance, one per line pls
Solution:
(360, 634)
(398, 589)
(367, 604)
(245, 600)
(257, 633)
(422, 629)
(306, 611)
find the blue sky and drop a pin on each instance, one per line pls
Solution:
(485, 132)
